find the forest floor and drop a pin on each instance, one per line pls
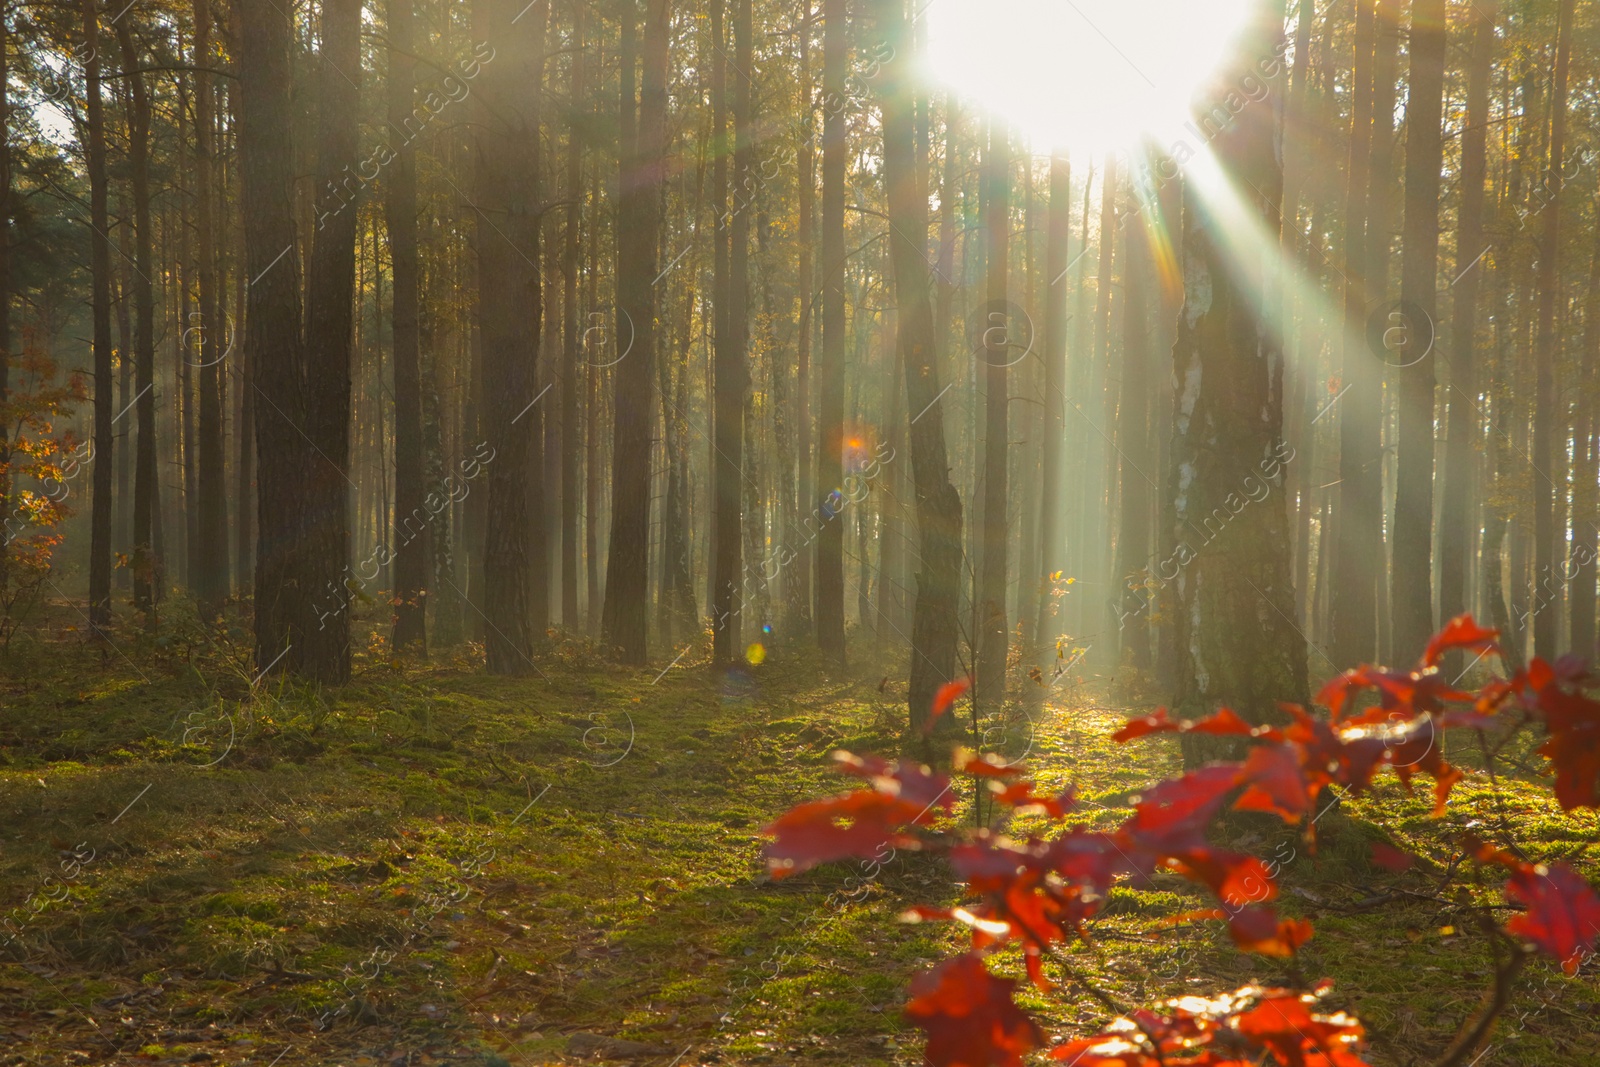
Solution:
(431, 865)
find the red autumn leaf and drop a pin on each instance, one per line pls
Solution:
(1238, 1029)
(1020, 795)
(1573, 722)
(854, 824)
(969, 1016)
(985, 765)
(1459, 632)
(1390, 858)
(1276, 782)
(1563, 915)
(1173, 816)
(1224, 721)
(913, 783)
(1260, 930)
(1285, 1025)
(947, 695)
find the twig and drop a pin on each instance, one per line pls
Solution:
(1472, 1035)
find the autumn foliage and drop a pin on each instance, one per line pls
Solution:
(1037, 894)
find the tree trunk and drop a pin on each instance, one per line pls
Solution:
(1052, 555)
(286, 609)
(100, 277)
(411, 516)
(210, 580)
(5, 291)
(324, 654)
(989, 622)
(571, 435)
(1455, 529)
(627, 593)
(799, 577)
(509, 315)
(1352, 588)
(829, 614)
(1236, 641)
(147, 567)
(1133, 431)
(934, 626)
(1549, 422)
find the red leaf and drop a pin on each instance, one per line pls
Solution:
(1173, 816)
(1390, 858)
(1020, 795)
(1284, 1024)
(1276, 782)
(1573, 721)
(1224, 721)
(1247, 1027)
(947, 695)
(854, 824)
(913, 783)
(985, 765)
(969, 1016)
(1260, 930)
(1563, 913)
(1459, 632)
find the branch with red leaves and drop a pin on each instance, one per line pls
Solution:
(1038, 894)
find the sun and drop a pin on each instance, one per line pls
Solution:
(1083, 75)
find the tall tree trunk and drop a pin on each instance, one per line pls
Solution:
(1585, 475)
(934, 625)
(829, 612)
(800, 589)
(627, 594)
(245, 390)
(571, 435)
(1235, 596)
(989, 622)
(732, 392)
(1133, 431)
(1052, 555)
(410, 536)
(1549, 422)
(5, 289)
(147, 567)
(1101, 409)
(285, 608)
(210, 580)
(1352, 585)
(324, 654)
(1412, 599)
(1455, 529)
(100, 279)
(509, 315)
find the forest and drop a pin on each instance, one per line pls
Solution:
(677, 532)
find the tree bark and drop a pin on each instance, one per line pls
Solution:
(1133, 430)
(100, 280)
(989, 622)
(1237, 644)
(1549, 421)
(146, 567)
(509, 315)
(411, 522)
(210, 580)
(626, 609)
(1352, 587)
(1455, 528)
(285, 610)
(829, 614)
(934, 625)
(571, 434)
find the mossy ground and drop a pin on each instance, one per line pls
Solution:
(431, 865)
